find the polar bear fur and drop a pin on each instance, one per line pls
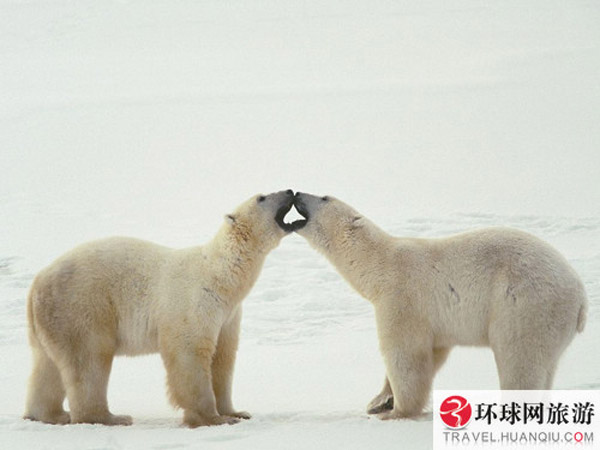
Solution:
(497, 287)
(122, 296)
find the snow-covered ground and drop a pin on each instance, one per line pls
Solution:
(153, 119)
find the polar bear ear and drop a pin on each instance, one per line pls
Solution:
(230, 219)
(356, 222)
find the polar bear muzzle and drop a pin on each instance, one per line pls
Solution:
(283, 209)
(306, 204)
(302, 209)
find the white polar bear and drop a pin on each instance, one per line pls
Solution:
(122, 296)
(495, 287)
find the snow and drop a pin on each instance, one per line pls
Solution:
(154, 119)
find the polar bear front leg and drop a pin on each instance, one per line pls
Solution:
(410, 375)
(223, 364)
(408, 356)
(187, 356)
(384, 401)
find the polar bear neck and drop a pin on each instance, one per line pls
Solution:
(238, 258)
(360, 255)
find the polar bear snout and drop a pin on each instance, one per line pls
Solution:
(300, 205)
(302, 208)
(284, 205)
(308, 206)
(285, 202)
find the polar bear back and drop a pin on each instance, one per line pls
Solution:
(493, 275)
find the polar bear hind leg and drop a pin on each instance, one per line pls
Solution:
(526, 358)
(85, 370)
(46, 392)
(524, 371)
(85, 373)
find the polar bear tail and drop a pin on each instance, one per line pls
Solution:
(581, 318)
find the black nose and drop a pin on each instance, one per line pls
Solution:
(298, 194)
(290, 192)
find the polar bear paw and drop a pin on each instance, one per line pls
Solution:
(240, 415)
(383, 402)
(391, 415)
(108, 419)
(60, 418)
(194, 420)
(123, 420)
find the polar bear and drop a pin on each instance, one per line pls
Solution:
(122, 296)
(496, 287)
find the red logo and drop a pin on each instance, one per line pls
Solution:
(456, 412)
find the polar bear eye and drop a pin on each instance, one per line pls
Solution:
(325, 199)
(261, 198)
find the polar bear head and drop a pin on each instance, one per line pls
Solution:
(260, 220)
(329, 223)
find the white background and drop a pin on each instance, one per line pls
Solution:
(155, 118)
